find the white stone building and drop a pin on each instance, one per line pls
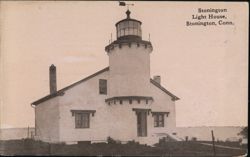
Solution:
(119, 101)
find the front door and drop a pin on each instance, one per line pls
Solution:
(142, 124)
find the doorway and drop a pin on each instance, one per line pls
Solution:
(142, 124)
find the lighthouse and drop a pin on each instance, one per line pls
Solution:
(129, 80)
(129, 60)
(120, 101)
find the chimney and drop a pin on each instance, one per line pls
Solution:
(157, 79)
(52, 79)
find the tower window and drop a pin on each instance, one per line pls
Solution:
(103, 86)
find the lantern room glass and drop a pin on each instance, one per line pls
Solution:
(128, 27)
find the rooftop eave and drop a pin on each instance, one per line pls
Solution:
(129, 97)
(120, 43)
(128, 19)
(173, 97)
(59, 93)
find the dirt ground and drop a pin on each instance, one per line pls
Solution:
(189, 148)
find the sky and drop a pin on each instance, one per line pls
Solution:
(206, 67)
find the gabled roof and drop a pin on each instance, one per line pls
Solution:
(164, 90)
(61, 91)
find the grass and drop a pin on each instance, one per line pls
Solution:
(223, 143)
(31, 147)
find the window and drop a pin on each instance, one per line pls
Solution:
(82, 117)
(122, 32)
(131, 24)
(146, 101)
(102, 86)
(126, 31)
(128, 28)
(81, 120)
(139, 101)
(126, 24)
(159, 120)
(120, 101)
(131, 31)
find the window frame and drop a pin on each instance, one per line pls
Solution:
(103, 86)
(157, 121)
(84, 120)
(83, 116)
(128, 28)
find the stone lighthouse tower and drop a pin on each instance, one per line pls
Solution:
(129, 94)
(129, 60)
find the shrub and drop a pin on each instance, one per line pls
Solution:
(133, 142)
(111, 140)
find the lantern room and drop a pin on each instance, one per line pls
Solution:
(128, 28)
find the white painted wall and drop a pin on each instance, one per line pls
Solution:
(115, 120)
(123, 119)
(84, 96)
(129, 70)
(47, 120)
(163, 103)
(124, 125)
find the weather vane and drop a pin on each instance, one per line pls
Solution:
(125, 4)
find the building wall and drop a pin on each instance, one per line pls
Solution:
(47, 120)
(123, 120)
(163, 103)
(56, 123)
(84, 96)
(129, 71)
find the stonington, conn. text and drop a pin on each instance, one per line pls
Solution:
(209, 17)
